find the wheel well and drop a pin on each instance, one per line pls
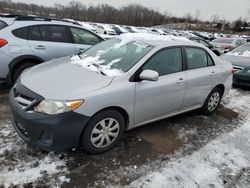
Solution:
(221, 87)
(35, 61)
(122, 111)
(119, 109)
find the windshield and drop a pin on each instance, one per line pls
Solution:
(113, 57)
(224, 41)
(243, 50)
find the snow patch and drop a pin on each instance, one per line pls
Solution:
(203, 168)
(244, 54)
(21, 164)
(29, 172)
(95, 64)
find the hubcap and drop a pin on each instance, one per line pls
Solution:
(213, 101)
(105, 132)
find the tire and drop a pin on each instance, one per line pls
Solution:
(20, 68)
(94, 138)
(212, 102)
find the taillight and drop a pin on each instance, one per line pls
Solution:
(234, 71)
(3, 42)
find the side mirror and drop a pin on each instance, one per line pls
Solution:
(149, 75)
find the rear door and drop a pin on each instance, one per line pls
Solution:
(50, 41)
(155, 99)
(83, 39)
(201, 76)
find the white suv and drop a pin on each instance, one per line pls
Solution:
(27, 41)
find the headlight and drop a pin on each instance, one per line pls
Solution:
(52, 107)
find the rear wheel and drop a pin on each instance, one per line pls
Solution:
(103, 132)
(212, 102)
(20, 68)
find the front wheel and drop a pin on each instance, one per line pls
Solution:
(103, 132)
(212, 102)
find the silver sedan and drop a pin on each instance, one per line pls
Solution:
(88, 101)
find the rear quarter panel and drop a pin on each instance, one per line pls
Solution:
(225, 76)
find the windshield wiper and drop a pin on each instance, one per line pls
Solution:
(98, 66)
(79, 54)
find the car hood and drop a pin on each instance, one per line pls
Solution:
(59, 79)
(237, 60)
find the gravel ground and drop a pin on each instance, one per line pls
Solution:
(144, 152)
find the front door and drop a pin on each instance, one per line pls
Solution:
(156, 99)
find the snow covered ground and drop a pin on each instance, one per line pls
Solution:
(224, 162)
(221, 163)
(187, 151)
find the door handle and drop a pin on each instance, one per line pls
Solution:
(40, 47)
(212, 74)
(180, 81)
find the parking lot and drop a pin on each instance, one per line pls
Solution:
(167, 145)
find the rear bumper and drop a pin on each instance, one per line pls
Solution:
(51, 133)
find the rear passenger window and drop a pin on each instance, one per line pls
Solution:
(197, 58)
(54, 33)
(2, 25)
(22, 33)
(35, 33)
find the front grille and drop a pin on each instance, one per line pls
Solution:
(24, 98)
(24, 102)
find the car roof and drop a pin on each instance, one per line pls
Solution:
(155, 40)
(10, 19)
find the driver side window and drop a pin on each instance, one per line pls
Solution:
(165, 62)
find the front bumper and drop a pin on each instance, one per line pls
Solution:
(241, 79)
(51, 133)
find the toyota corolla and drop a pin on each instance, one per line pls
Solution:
(89, 100)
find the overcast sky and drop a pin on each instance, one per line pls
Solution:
(228, 9)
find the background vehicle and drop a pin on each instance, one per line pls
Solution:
(105, 29)
(224, 45)
(158, 31)
(132, 29)
(240, 58)
(136, 79)
(87, 26)
(205, 43)
(119, 29)
(28, 41)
